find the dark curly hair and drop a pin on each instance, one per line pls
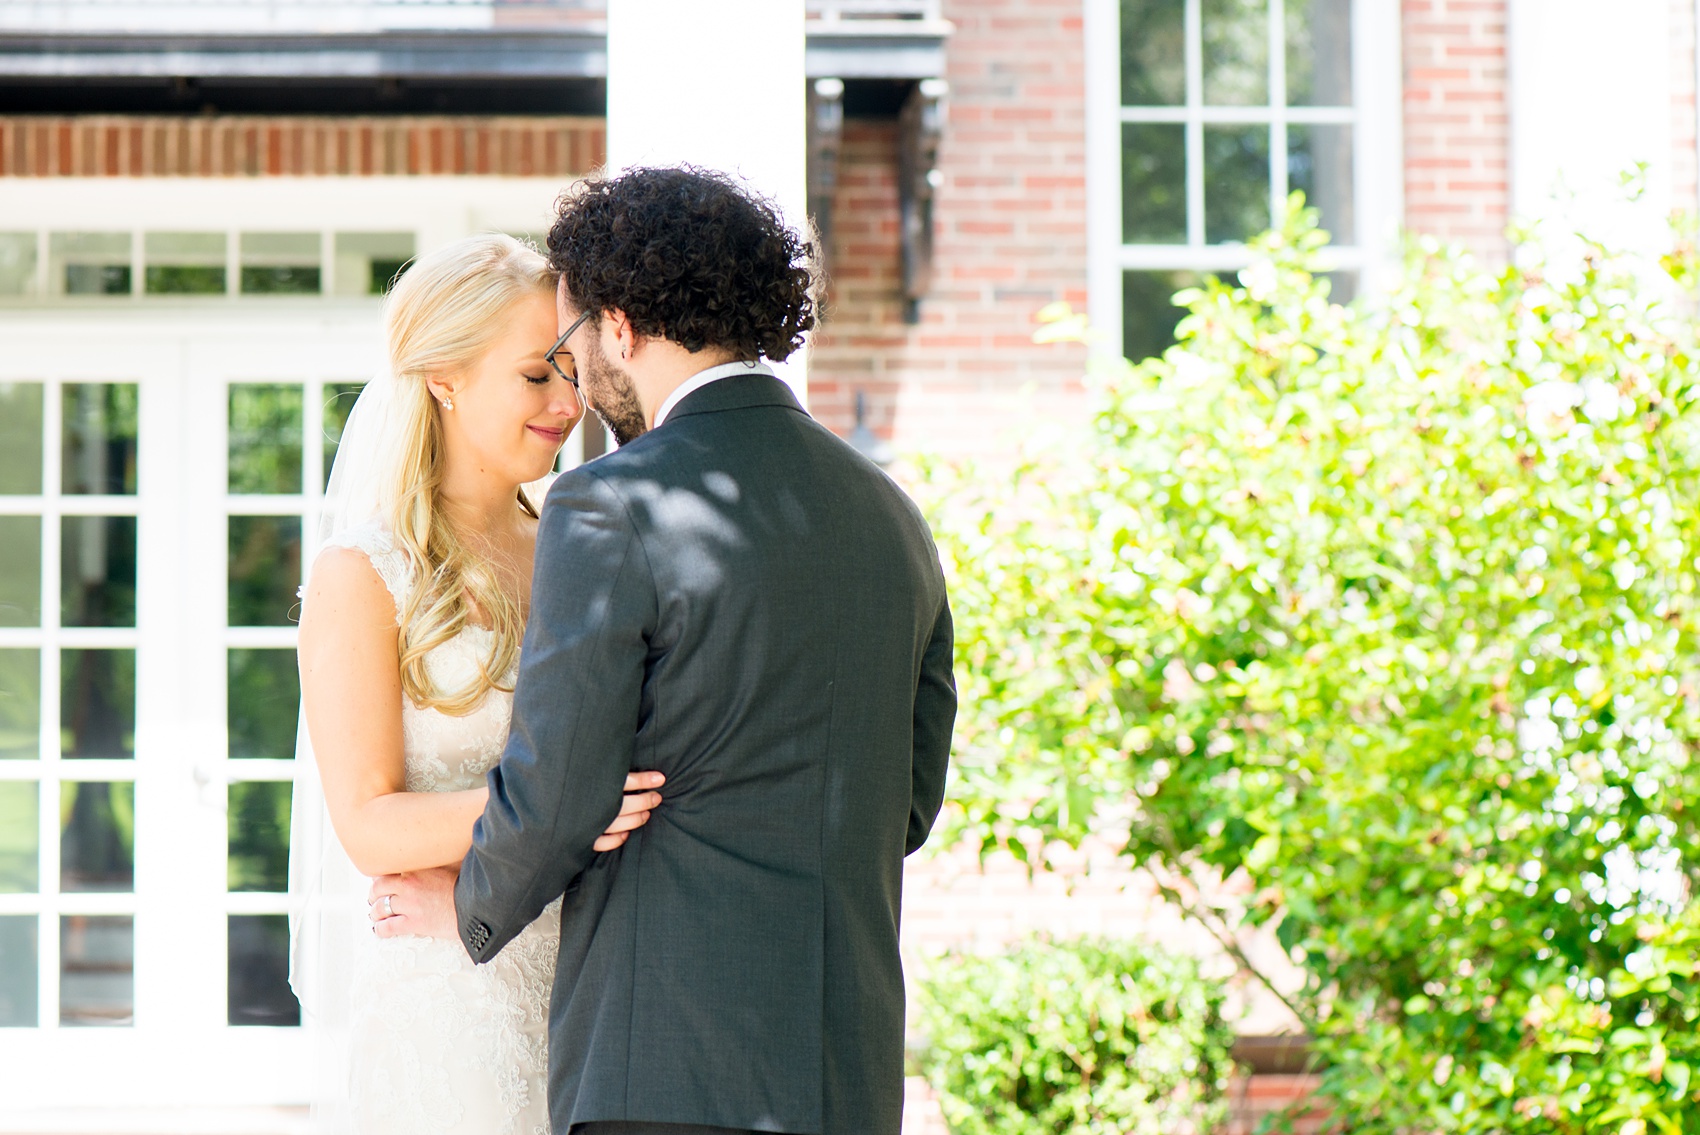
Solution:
(689, 255)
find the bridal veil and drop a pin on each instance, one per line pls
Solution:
(327, 895)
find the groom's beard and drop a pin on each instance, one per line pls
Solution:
(612, 395)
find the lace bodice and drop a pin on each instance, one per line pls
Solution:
(442, 1045)
(442, 753)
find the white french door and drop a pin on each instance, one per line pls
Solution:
(171, 390)
(156, 480)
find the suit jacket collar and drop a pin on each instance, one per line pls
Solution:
(736, 392)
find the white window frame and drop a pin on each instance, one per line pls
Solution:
(1377, 148)
(186, 352)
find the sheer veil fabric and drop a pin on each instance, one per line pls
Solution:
(327, 895)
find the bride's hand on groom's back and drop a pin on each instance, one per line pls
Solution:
(640, 800)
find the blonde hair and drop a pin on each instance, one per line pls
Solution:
(441, 317)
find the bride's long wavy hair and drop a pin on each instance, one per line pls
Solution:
(440, 318)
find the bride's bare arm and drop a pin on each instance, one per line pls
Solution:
(351, 690)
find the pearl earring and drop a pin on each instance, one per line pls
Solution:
(448, 405)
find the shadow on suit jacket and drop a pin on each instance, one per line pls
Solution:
(745, 603)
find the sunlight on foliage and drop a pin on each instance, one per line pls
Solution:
(1076, 1038)
(1389, 614)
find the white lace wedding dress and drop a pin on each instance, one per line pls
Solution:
(436, 1043)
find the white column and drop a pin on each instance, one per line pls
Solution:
(717, 84)
(1590, 99)
(1379, 142)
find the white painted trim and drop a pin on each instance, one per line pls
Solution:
(1240, 115)
(1194, 52)
(1213, 257)
(1102, 29)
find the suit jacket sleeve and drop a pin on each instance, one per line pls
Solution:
(935, 716)
(561, 777)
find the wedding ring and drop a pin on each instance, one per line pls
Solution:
(389, 906)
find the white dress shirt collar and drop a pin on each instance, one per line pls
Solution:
(701, 379)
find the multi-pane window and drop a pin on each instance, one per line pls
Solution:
(1226, 107)
(282, 438)
(68, 547)
(57, 265)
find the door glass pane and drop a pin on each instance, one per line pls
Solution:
(339, 403)
(265, 570)
(97, 841)
(1153, 183)
(1319, 52)
(97, 703)
(20, 704)
(1236, 52)
(88, 264)
(367, 263)
(259, 835)
(97, 970)
(1153, 52)
(186, 264)
(19, 961)
(265, 438)
(264, 704)
(1319, 161)
(99, 444)
(1149, 315)
(259, 971)
(17, 264)
(20, 837)
(20, 571)
(20, 438)
(1236, 182)
(280, 264)
(97, 571)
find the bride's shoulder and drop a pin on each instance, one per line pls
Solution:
(348, 561)
(371, 538)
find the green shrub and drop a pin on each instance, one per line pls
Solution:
(1389, 614)
(1075, 1038)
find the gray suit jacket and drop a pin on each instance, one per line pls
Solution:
(743, 602)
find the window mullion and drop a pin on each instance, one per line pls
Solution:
(232, 263)
(1194, 122)
(47, 848)
(137, 264)
(1277, 110)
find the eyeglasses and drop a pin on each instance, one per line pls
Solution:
(570, 373)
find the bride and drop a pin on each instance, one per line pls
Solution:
(410, 635)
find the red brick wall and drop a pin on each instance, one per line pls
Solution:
(1011, 237)
(234, 146)
(1457, 137)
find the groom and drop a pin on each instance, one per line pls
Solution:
(737, 599)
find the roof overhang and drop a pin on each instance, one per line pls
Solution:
(864, 49)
